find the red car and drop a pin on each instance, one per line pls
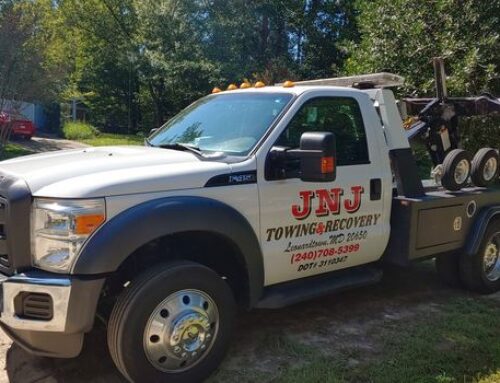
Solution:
(21, 127)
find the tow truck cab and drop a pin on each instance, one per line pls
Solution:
(308, 189)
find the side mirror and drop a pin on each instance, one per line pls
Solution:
(152, 131)
(317, 155)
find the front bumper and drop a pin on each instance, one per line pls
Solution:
(74, 302)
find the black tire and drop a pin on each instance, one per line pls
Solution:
(472, 270)
(450, 162)
(478, 164)
(447, 267)
(137, 302)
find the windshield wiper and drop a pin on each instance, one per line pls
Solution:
(182, 147)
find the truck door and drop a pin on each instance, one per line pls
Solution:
(309, 228)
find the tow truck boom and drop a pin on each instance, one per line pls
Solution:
(437, 118)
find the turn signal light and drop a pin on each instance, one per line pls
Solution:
(260, 84)
(232, 87)
(288, 84)
(86, 224)
(216, 90)
(327, 165)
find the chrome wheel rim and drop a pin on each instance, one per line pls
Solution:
(490, 169)
(491, 258)
(181, 330)
(462, 171)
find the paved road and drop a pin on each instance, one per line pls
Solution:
(39, 144)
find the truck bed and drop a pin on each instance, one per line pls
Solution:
(436, 223)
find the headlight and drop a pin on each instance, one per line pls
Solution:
(60, 228)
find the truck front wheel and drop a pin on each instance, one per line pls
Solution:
(171, 324)
(481, 272)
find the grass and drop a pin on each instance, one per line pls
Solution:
(460, 343)
(87, 134)
(14, 150)
(79, 131)
(105, 139)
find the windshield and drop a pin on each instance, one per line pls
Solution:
(229, 123)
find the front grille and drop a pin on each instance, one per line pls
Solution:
(15, 210)
(5, 265)
(35, 306)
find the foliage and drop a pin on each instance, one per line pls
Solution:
(25, 75)
(480, 132)
(135, 63)
(79, 131)
(402, 36)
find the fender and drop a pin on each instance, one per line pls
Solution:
(479, 229)
(129, 230)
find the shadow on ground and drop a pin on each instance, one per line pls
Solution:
(331, 322)
(40, 144)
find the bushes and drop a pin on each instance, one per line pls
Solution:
(480, 132)
(79, 131)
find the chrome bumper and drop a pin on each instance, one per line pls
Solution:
(74, 304)
(59, 290)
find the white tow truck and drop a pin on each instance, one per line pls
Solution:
(256, 197)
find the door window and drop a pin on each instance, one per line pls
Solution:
(339, 115)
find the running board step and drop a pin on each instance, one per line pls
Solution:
(289, 293)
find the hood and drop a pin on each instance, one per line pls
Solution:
(107, 171)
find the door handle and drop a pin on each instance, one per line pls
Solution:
(375, 189)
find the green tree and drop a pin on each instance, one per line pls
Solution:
(101, 51)
(174, 68)
(26, 71)
(403, 35)
(321, 31)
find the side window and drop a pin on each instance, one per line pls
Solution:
(339, 115)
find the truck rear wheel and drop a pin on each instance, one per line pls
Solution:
(456, 169)
(171, 324)
(448, 269)
(481, 272)
(485, 167)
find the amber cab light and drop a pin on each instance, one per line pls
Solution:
(327, 165)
